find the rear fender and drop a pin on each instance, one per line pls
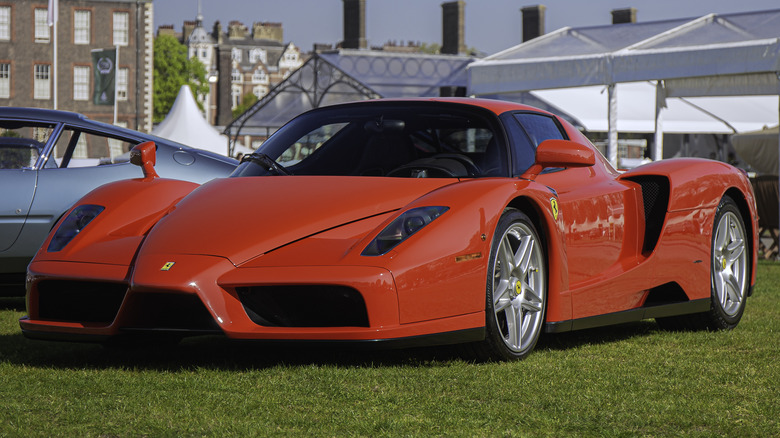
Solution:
(695, 183)
(699, 184)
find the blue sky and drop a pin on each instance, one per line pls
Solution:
(491, 25)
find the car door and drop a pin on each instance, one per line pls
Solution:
(22, 145)
(18, 190)
(600, 241)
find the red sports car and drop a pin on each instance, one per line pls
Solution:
(403, 222)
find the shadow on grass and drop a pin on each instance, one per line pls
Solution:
(216, 352)
(594, 336)
(12, 303)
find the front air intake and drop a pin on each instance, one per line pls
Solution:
(79, 301)
(161, 310)
(304, 306)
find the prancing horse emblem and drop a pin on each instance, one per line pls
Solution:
(167, 266)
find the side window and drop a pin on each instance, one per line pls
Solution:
(76, 148)
(309, 143)
(527, 131)
(21, 143)
(539, 127)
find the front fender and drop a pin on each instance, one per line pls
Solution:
(442, 270)
(132, 207)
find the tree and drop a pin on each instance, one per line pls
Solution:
(172, 69)
(247, 101)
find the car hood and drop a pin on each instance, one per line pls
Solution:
(240, 218)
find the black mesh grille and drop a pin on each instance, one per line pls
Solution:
(655, 194)
(79, 301)
(304, 306)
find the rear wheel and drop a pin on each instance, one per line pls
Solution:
(730, 274)
(516, 297)
(730, 266)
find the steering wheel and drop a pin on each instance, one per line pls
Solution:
(267, 162)
(437, 166)
(471, 168)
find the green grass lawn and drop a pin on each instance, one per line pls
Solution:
(631, 380)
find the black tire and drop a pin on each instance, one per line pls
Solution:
(730, 274)
(516, 290)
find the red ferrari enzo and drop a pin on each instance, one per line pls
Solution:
(403, 222)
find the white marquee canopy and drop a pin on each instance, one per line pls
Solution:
(679, 66)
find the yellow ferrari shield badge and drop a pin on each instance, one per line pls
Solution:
(167, 266)
(554, 207)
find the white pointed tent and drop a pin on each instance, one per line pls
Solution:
(185, 124)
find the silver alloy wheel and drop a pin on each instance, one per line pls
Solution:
(519, 287)
(729, 263)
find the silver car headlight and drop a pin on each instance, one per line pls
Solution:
(78, 218)
(401, 228)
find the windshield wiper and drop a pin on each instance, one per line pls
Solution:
(266, 162)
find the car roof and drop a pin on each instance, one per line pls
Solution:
(77, 119)
(493, 105)
(43, 113)
(68, 117)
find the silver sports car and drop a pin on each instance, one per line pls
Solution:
(49, 159)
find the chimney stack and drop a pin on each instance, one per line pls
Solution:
(453, 27)
(627, 15)
(224, 98)
(533, 21)
(354, 24)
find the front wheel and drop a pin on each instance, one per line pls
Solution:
(516, 297)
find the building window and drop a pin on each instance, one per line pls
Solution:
(121, 84)
(121, 28)
(80, 83)
(81, 27)
(235, 76)
(41, 83)
(259, 91)
(5, 81)
(259, 77)
(41, 25)
(5, 23)
(235, 54)
(235, 94)
(116, 147)
(258, 55)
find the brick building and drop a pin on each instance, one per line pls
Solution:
(239, 61)
(27, 70)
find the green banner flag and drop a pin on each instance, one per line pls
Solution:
(104, 66)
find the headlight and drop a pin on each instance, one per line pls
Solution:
(401, 228)
(73, 224)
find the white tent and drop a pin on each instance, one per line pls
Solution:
(588, 107)
(711, 56)
(185, 124)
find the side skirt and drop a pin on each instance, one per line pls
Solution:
(633, 315)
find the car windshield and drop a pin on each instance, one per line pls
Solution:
(420, 140)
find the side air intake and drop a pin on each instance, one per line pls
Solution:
(655, 194)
